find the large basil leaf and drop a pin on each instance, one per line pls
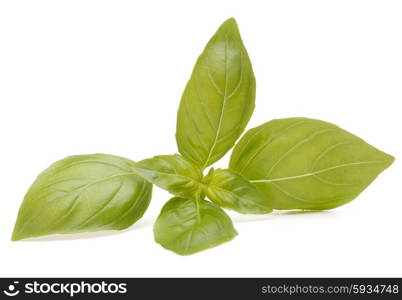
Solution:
(83, 193)
(172, 173)
(300, 163)
(230, 190)
(218, 100)
(187, 226)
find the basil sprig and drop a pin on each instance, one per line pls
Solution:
(293, 163)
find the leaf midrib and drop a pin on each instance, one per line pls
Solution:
(222, 108)
(234, 195)
(169, 174)
(316, 172)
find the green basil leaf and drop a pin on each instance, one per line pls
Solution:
(83, 193)
(300, 163)
(187, 226)
(172, 173)
(218, 100)
(230, 190)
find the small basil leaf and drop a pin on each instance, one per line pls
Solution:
(218, 100)
(83, 193)
(172, 173)
(300, 163)
(231, 190)
(187, 226)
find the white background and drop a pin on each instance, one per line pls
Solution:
(106, 76)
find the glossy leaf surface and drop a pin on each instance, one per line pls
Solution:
(186, 227)
(218, 100)
(172, 173)
(300, 163)
(230, 190)
(83, 193)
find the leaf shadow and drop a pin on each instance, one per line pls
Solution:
(301, 212)
(89, 235)
(316, 215)
(238, 218)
